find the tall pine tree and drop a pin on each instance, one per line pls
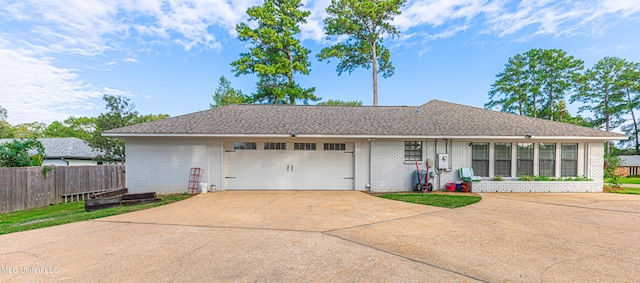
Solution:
(276, 55)
(365, 23)
(601, 96)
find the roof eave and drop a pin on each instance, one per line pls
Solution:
(125, 135)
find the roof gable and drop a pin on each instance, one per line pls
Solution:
(435, 118)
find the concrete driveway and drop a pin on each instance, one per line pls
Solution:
(340, 236)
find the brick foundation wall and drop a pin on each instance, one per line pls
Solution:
(537, 186)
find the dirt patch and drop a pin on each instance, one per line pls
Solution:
(607, 189)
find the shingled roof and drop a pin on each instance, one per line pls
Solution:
(69, 148)
(432, 119)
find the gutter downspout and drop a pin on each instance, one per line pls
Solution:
(370, 165)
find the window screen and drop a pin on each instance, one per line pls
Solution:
(547, 159)
(413, 151)
(334, 146)
(304, 146)
(244, 145)
(480, 159)
(502, 165)
(275, 146)
(569, 163)
(525, 159)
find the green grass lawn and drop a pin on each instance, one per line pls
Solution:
(623, 190)
(630, 180)
(440, 200)
(69, 212)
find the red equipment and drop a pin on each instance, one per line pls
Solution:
(424, 188)
(194, 180)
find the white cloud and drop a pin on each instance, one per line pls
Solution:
(92, 27)
(43, 33)
(560, 18)
(525, 19)
(131, 60)
(437, 13)
(314, 28)
(33, 89)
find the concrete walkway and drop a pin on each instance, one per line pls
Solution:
(340, 236)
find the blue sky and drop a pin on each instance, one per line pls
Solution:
(58, 57)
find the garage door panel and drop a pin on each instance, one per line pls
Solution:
(321, 183)
(288, 169)
(256, 170)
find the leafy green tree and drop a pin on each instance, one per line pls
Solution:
(510, 91)
(6, 131)
(57, 130)
(611, 163)
(536, 83)
(225, 94)
(20, 153)
(629, 84)
(150, 118)
(120, 113)
(631, 130)
(333, 102)
(276, 55)
(29, 130)
(81, 127)
(601, 95)
(560, 75)
(365, 23)
(3, 113)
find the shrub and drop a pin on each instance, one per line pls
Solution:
(527, 178)
(21, 153)
(497, 178)
(611, 163)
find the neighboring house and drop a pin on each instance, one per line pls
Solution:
(301, 147)
(629, 165)
(65, 151)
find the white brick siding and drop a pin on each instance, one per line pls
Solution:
(389, 172)
(458, 157)
(162, 165)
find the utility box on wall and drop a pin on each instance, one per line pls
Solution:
(443, 161)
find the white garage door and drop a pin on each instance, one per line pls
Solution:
(288, 166)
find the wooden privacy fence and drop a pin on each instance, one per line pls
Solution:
(26, 187)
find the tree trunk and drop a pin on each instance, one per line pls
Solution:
(550, 104)
(635, 123)
(534, 96)
(292, 99)
(374, 61)
(606, 118)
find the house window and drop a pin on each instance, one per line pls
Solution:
(525, 159)
(244, 145)
(480, 159)
(569, 162)
(275, 146)
(502, 165)
(413, 151)
(304, 146)
(334, 146)
(547, 159)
